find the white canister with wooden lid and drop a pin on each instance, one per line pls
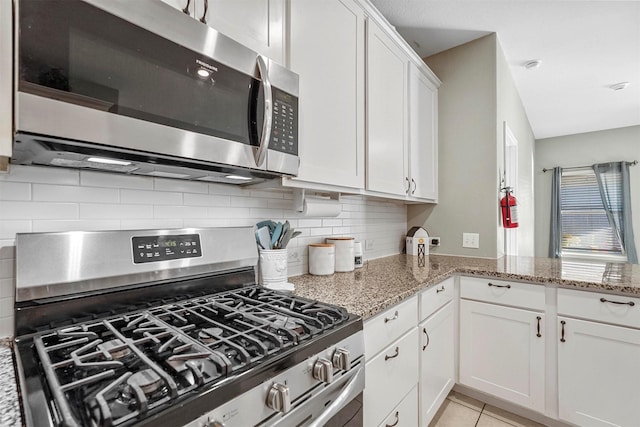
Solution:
(345, 260)
(322, 259)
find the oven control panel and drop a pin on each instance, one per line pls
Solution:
(164, 248)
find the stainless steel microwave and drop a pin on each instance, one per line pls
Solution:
(139, 87)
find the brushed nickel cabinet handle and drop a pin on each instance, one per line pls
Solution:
(203, 19)
(424, 347)
(186, 8)
(397, 420)
(562, 322)
(389, 319)
(500, 286)
(630, 303)
(394, 356)
(539, 319)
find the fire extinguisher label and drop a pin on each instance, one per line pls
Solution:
(514, 214)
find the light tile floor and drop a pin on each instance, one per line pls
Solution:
(459, 410)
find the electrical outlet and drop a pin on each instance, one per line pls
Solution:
(369, 244)
(293, 256)
(471, 240)
(434, 241)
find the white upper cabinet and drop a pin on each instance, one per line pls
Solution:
(257, 24)
(327, 52)
(386, 113)
(423, 136)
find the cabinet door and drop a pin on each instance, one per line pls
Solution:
(405, 414)
(257, 24)
(423, 136)
(598, 374)
(437, 361)
(327, 51)
(386, 110)
(390, 376)
(501, 352)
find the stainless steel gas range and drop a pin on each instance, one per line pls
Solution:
(167, 327)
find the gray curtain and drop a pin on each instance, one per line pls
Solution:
(613, 182)
(555, 233)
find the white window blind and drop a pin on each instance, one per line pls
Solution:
(585, 226)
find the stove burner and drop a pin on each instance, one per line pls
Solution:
(288, 323)
(210, 335)
(115, 349)
(148, 381)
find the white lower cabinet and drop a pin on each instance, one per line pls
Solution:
(598, 354)
(405, 414)
(502, 352)
(437, 361)
(390, 375)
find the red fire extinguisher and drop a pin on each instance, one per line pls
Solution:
(509, 208)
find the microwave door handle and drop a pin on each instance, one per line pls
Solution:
(261, 153)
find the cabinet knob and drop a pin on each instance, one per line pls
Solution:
(323, 370)
(341, 359)
(279, 398)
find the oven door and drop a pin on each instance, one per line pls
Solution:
(98, 71)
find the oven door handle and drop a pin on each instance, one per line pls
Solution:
(349, 391)
(261, 153)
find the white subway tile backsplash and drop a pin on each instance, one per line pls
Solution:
(41, 174)
(179, 212)
(7, 268)
(287, 205)
(228, 190)
(15, 190)
(266, 194)
(75, 225)
(164, 184)
(149, 223)
(331, 222)
(38, 210)
(7, 249)
(226, 222)
(306, 223)
(260, 213)
(6, 306)
(206, 200)
(9, 228)
(112, 180)
(7, 288)
(320, 231)
(248, 202)
(143, 197)
(109, 211)
(74, 193)
(6, 326)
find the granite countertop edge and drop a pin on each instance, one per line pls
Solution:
(542, 272)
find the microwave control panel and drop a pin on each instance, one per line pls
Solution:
(284, 134)
(164, 248)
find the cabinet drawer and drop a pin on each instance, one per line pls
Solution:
(435, 297)
(389, 325)
(502, 292)
(617, 309)
(390, 376)
(406, 413)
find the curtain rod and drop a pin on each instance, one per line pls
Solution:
(635, 162)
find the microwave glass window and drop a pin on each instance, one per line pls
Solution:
(103, 62)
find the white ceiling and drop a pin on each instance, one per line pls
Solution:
(585, 47)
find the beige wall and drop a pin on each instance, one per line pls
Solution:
(511, 111)
(477, 95)
(612, 145)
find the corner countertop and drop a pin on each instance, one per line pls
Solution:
(384, 282)
(9, 405)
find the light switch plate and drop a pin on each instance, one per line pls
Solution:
(471, 240)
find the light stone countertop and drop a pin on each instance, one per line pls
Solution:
(9, 404)
(384, 282)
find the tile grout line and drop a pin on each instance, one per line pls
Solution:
(481, 411)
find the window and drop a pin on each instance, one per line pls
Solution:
(584, 223)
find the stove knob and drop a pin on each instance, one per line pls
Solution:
(323, 370)
(213, 423)
(341, 359)
(278, 398)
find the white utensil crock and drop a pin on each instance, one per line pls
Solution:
(273, 266)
